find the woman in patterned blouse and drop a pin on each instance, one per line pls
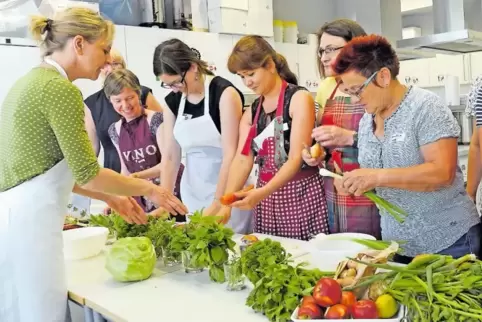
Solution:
(407, 152)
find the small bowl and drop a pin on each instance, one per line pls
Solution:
(84, 242)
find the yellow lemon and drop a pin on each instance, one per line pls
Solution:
(387, 306)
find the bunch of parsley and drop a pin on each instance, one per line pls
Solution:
(259, 259)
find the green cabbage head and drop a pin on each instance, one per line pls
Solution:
(131, 259)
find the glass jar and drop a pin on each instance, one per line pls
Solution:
(170, 258)
(234, 275)
(187, 263)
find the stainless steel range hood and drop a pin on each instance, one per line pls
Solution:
(382, 17)
(457, 29)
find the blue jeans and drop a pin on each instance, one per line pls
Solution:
(470, 243)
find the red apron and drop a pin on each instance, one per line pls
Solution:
(298, 209)
(347, 213)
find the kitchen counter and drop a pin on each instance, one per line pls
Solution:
(169, 292)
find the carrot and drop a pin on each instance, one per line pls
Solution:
(229, 198)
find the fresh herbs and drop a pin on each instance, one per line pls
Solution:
(261, 257)
(119, 227)
(434, 287)
(208, 243)
(158, 230)
(233, 270)
(277, 294)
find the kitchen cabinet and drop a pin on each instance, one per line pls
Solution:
(140, 52)
(290, 52)
(228, 21)
(475, 65)
(415, 72)
(243, 17)
(229, 4)
(455, 65)
(260, 17)
(308, 69)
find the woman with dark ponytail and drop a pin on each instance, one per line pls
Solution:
(201, 120)
(288, 200)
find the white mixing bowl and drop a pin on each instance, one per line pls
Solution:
(84, 242)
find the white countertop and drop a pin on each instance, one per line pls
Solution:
(169, 292)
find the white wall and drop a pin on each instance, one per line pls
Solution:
(310, 14)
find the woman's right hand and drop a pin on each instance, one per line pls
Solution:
(219, 211)
(166, 199)
(309, 160)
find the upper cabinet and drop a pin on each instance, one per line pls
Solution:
(241, 17)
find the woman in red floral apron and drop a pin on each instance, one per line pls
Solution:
(288, 200)
(137, 135)
(339, 117)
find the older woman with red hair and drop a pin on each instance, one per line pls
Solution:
(407, 145)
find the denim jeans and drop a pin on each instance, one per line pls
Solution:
(470, 243)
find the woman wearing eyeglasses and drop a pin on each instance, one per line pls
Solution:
(101, 114)
(407, 152)
(202, 120)
(338, 117)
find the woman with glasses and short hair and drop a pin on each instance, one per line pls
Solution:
(408, 152)
(338, 116)
(101, 114)
(202, 120)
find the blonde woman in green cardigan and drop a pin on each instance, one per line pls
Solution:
(45, 154)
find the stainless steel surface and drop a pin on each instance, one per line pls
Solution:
(457, 29)
(466, 126)
(169, 13)
(383, 17)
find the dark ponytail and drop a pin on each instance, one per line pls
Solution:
(284, 70)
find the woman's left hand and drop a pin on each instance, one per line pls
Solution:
(249, 199)
(359, 181)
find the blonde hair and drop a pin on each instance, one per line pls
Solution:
(120, 79)
(116, 57)
(53, 34)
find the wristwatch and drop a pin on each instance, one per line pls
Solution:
(355, 139)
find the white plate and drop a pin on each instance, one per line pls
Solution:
(395, 319)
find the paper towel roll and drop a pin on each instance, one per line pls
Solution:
(200, 20)
(452, 90)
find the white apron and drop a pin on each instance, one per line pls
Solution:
(201, 142)
(32, 274)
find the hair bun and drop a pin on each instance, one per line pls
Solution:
(48, 25)
(196, 52)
